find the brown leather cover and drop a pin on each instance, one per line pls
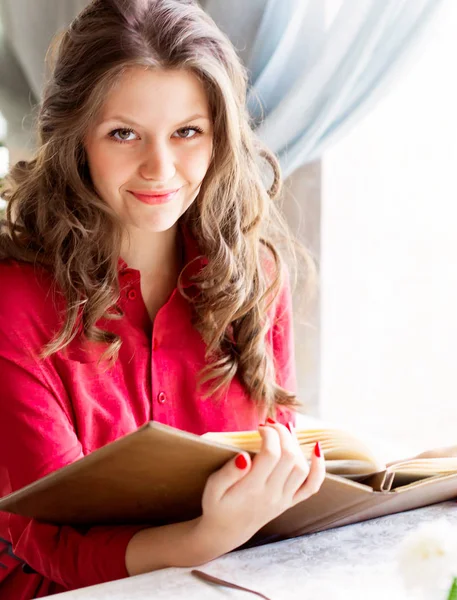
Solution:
(157, 475)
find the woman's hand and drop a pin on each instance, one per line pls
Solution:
(239, 500)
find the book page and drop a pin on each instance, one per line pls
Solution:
(345, 454)
(354, 454)
(421, 468)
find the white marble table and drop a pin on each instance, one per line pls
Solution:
(357, 561)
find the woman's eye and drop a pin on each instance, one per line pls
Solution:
(184, 131)
(123, 135)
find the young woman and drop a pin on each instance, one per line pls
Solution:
(141, 279)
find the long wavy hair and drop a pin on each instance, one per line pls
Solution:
(56, 218)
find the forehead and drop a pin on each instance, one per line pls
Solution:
(158, 94)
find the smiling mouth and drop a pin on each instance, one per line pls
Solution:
(154, 192)
(155, 198)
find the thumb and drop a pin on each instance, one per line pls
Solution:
(233, 471)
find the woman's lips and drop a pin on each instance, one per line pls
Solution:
(155, 198)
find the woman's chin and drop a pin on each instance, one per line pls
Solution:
(154, 225)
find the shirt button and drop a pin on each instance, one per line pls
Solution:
(161, 398)
(131, 294)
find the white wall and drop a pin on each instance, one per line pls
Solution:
(389, 256)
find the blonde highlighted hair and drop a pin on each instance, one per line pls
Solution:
(56, 218)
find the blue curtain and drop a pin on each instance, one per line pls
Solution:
(313, 77)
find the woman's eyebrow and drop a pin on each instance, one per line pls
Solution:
(132, 122)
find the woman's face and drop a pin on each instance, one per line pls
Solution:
(153, 134)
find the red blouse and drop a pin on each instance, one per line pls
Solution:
(55, 411)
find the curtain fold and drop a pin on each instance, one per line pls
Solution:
(288, 37)
(312, 77)
(345, 68)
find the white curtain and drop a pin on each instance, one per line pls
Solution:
(313, 77)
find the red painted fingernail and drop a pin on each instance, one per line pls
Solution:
(261, 424)
(241, 461)
(270, 420)
(289, 426)
(317, 450)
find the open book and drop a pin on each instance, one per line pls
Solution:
(157, 474)
(352, 457)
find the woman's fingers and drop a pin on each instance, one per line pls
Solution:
(292, 460)
(295, 480)
(314, 479)
(233, 471)
(279, 472)
(266, 460)
(291, 428)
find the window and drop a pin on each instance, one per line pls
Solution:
(389, 257)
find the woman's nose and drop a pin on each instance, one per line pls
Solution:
(158, 162)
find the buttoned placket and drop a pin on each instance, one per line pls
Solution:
(190, 251)
(129, 280)
(130, 286)
(159, 397)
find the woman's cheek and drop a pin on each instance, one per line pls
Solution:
(196, 164)
(114, 168)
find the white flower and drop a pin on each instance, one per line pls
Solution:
(428, 557)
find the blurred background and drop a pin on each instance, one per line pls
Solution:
(359, 104)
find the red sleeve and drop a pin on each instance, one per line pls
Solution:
(283, 346)
(37, 437)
